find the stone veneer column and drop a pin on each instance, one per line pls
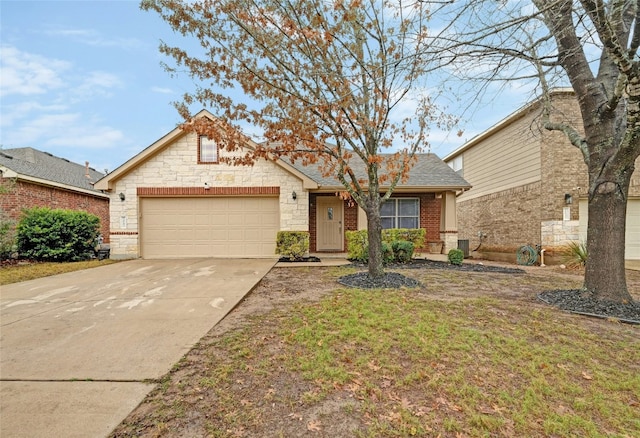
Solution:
(448, 222)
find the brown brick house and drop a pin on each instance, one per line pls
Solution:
(32, 178)
(530, 184)
(426, 200)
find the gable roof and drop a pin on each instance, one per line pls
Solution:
(107, 182)
(429, 172)
(44, 168)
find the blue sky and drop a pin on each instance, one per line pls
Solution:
(82, 80)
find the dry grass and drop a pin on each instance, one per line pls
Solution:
(467, 355)
(29, 271)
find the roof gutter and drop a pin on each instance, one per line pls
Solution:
(8, 173)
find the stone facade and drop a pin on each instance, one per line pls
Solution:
(176, 167)
(19, 195)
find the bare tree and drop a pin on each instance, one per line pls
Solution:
(592, 44)
(325, 78)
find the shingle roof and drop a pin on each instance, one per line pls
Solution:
(429, 171)
(37, 164)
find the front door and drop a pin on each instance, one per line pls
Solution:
(329, 218)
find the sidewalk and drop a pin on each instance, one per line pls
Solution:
(340, 259)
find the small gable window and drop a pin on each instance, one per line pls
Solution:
(207, 150)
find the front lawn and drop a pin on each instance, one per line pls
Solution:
(464, 355)
(14, 273)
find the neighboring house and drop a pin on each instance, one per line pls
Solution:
(32, 178)
(175, 199)
(530, 184)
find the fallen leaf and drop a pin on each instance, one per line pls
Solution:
(406, 404)
(586, 376)
(314, 425)
(497, 409)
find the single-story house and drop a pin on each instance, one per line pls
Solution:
(32, 178)
(530, 184)
(175, 199)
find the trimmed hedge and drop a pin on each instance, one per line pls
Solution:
(402, 251)
(57, 235)
(398, 244)
(293, 245)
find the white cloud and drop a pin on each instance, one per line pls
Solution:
(162, 90)
(69, 130)
(12, 113)
(24, 73)
(93, 38)
(96, 83)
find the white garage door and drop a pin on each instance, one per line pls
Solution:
(632, 241)
(208, 227)
(633, 230)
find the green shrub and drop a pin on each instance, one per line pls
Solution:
(7, 236)
(357, 246)
(397, 244)
(575, 254)
(57, 235)
(413, 235)
(387, 253)
(293, 245)
(402, 251)
(455, 256)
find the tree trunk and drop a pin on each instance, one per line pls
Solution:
(605, 272)
(374, 236)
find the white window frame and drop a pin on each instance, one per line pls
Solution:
(396, 217)
(208, 151)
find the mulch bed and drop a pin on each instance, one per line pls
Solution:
(577, 301)
(569, 300)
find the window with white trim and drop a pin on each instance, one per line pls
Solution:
(207, 150)
(400, 213)
(456, 165)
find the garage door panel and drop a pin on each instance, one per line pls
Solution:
(209, 227)
(632, 232)
(633, 229)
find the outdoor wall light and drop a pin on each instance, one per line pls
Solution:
(206, 186)
(568, 199)
(294, 195)
(121, 196)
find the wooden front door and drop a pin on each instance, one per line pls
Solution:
(329, 220)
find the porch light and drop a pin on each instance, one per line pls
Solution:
(294, 195)
(121, 196)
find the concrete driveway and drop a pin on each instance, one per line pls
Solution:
(77, 349)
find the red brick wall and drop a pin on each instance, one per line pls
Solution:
(430, 213)
(429, 216)
(20, 195)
